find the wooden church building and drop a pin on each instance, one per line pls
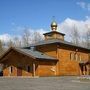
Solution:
(51, 57)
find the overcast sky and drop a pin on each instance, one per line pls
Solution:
(37, 15)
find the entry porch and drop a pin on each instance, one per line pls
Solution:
(17, 62)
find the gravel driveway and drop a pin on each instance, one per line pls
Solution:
(43, 83)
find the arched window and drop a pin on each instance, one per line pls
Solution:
(80, 58)
(71, 56)
(77, 57)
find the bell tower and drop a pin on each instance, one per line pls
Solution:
(54, 34)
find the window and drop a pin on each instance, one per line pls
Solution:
(75, 56)
(10, 69)
(28, 68)
(71, 56)
(80, 58)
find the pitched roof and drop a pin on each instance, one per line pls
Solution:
(36, 54)
(51, 41)
(2, 51)
(30, 53)
(54, 32)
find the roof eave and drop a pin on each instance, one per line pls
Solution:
(12, 48)
(46, 59)
(54, 32)
(62, 43)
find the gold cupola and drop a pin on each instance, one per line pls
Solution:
(53, 26)
(54, 34)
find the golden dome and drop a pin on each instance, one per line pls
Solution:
(53, 24)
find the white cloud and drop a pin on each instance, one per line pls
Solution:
(88, 17)
(5, 37)
(84, 5)
(88, 6)
(65, 27)
(41, 31)
(68, 24)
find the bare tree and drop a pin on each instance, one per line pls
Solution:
(26, 37)
(83, 43)
(1, 45)
(29, 37)
(10, 43)
(37, 37)
(1, 48)
(75, 36)
(87, 39)
(17, 42)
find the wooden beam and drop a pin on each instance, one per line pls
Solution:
(33, 68)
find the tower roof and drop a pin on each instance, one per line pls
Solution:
(53, 24)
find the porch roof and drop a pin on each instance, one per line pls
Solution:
(31, 53)
(36, 54)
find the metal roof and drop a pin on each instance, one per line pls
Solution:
(54, 32)
(34, 53)
(51, 41)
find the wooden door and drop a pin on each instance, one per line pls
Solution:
(19, 71)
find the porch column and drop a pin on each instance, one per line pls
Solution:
(85, 70)
(89, 69)
(33, 68)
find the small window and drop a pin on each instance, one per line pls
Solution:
(28, 68)
(71, 56)
(76, 57)
(11, 69)
(80, 58)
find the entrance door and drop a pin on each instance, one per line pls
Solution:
(19, 71)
